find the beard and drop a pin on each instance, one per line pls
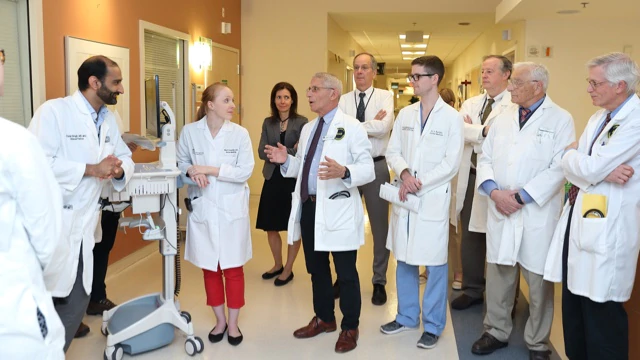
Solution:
(107, 96)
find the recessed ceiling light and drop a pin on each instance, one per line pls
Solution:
(464, 23)
(403, 36)
(567, 12)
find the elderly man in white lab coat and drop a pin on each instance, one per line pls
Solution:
(424, 151)
(597, 263)
(84, 148)
(333, 159)
(520, 171)
(373, 107)
(469, 214)
(30, 222)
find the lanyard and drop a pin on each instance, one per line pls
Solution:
(355, 99)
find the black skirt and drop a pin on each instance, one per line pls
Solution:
(275, 202)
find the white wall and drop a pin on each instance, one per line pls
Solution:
(574, 43)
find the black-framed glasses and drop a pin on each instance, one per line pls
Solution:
(2, 56)
(594, 84)
(416, 77)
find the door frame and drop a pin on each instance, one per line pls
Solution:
(238, 72)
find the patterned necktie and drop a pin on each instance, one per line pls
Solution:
(524, 116)
(487, 110)
(361, 108)
(304, 183)
(573, 191)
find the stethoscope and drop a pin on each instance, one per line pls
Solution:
(355, 99)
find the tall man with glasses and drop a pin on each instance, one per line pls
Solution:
(520, 171)
(470, 217)
(333, 159)
(595, 247)
(424, 151)
(373, 107)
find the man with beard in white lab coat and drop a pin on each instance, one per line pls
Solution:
(30, 205)
(333, 159)
(520, 171)
(596, 255)
(373, 107)
(83, 146)
(469, 214)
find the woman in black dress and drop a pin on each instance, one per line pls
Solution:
(283, 126)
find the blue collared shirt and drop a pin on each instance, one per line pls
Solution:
(489, 185)
(98, 118)
(315, 162)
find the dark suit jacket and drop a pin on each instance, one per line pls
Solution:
(271, 136)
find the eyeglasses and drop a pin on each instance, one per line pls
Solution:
(594, 84)
(416, 77)
(2, 57)
(519, 83)
(315, 89)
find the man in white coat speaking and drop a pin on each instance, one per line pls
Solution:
(333, 159)
(520, 171)
(83, 146)
(600, 225)
(424, 151)
(470, 209)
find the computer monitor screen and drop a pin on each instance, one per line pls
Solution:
(152, 103)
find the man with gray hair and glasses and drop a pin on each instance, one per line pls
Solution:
(333, 159)
(520, 172)
(595, 246)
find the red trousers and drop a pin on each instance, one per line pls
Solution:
(233, 284)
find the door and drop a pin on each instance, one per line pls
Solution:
(225, 66)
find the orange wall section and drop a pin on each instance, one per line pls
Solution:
(116, 22)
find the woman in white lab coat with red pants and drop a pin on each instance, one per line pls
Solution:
(217, 155)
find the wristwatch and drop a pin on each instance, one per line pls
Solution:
(519, 199)
(347, 174)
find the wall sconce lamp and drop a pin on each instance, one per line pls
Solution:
(202, 53)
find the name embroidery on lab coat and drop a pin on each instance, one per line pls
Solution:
(197, 152)
(76, 137)
(407, 128)
(230, 151)
(436, 133)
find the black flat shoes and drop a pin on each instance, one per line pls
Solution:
(268, 275)
(279, 282)
(214, 338)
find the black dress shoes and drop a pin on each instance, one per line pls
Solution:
(336, 289)
(539, 355)
(487, 344)
(379, 295)
(235, 341)
(278, 282)
(464, 301)
(214, 338)
(268, 275)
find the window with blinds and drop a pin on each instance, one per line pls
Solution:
(163, 56)
(15, 104)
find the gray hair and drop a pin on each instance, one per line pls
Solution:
(618, 67)
(330, 81)
(374, 63)
(538, 72)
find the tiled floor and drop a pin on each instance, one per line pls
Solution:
(271, 313)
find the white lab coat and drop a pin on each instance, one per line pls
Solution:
(473, 140)
(434, 156)
(603, 253)
(218, 229)
(30, 224)
(69, 139)
(339, 223)
(529, 159)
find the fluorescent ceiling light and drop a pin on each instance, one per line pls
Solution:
(413, 53)
(414, 46)
(403, 36)
(407, 58)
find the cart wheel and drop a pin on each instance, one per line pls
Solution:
(186, 316)
(115, 354)
(104, 330)
(200, 344)
(190, 347)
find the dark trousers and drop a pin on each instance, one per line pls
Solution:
(318, 267)
(101, 252)
(591, 330)
(473, 248)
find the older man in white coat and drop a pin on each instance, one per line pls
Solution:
(470, 209)
(424, 151)
(84, 148)
(597, 263)
(333, 159)
(30, 223)
(520, 170)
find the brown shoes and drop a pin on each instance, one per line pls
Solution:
(83, 330)
(315, 327)
(347, 341)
